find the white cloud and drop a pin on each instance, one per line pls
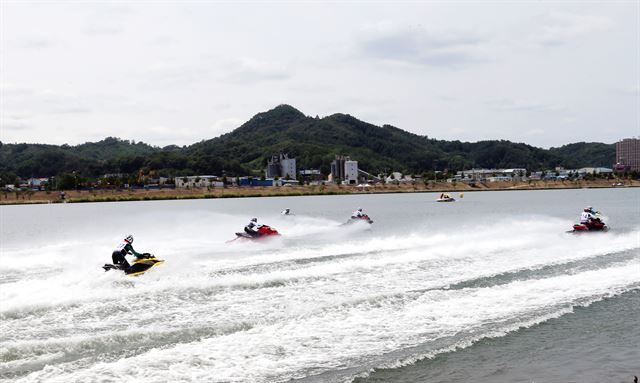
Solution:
(523, 106)
(179, 73)
(225, 126)
(560, 28)
(103, 30)
(251, 70)
(37, 43)
(535, 132)
(418, 45)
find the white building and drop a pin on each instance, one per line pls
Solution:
(351, 172)
(594, 171)
(399, 177)
(288, 168)
(492, 175)
(198, 182)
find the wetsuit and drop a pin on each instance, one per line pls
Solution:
(356, 214)
(252, 229)
(120, 252)
(586, 217)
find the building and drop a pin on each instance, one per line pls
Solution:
(351, 172)
(281, 166)
(37, 183)
(344, 170)
(288, 167)
(583, 171)
(492, 175)
(250, 181)
(628, 154)
(198, 182)
(399, 177)
(337, 168)
(310, 175)
(273, 168)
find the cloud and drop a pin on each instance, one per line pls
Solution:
(561, 28)
(177, 74)
(249, 70)
(633, 90)
(416, 45)
(103, 30)
(225, 126)
(107, 19)
(523, 106)
(535, 132)
(13, 124)
(37, 43)
(77, 109)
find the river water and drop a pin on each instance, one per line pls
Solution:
(490, 288)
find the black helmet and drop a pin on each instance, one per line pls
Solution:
(254, 219)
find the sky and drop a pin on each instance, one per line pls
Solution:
(163, 72)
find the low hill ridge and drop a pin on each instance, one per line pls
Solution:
(313, 141)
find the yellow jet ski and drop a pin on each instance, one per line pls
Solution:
(139, 266)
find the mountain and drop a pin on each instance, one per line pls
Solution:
(313, 141)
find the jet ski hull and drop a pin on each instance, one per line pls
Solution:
(263, 232)
(139, 267)
(596, 226)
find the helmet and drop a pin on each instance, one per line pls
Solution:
(359, 209)
(129, 238)
(254, 219)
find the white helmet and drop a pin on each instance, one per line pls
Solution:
(129, 238)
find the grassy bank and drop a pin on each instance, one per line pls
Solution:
(31, 197)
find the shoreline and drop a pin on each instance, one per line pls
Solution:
(80, 196)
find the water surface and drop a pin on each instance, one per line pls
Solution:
(490, 288)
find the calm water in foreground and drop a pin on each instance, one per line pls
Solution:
(486, 289)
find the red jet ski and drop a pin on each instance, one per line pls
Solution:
(262, 232)
(593, 225)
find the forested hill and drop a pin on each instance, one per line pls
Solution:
(313, 141)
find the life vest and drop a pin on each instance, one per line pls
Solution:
(121, 247)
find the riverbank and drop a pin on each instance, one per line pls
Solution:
(75, 196)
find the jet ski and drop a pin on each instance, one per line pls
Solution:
(593, 225)
(362, 218)
(139, 266)
(445, 198)
(262, 232)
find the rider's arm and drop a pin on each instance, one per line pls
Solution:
(130, 250)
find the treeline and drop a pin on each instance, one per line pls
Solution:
(313, 141)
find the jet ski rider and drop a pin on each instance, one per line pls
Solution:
(357, 214)
(124, 248)
(252, 227)
(588, 215)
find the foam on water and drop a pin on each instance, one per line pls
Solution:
(321, 298)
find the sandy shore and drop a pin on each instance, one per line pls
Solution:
(34, 197)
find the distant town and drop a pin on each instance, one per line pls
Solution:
(282, 170)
